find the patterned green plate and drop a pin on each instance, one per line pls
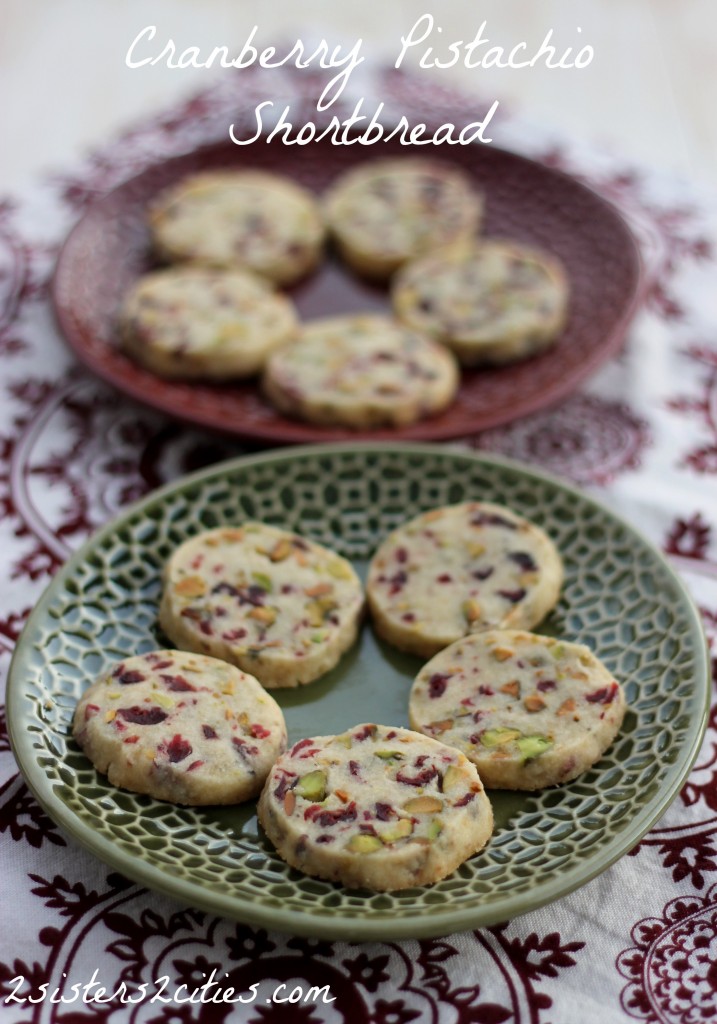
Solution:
(620, 597)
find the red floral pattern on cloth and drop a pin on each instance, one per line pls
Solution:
(637, 942)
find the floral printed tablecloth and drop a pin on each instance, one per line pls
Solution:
(637, 943)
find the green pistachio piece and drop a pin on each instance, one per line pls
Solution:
(389, 755)
(401, 830)
(364, 844)
(435, 829)
(262, 580)
(344, 741)
(497, 737)
(312, 786)
(453, 777)
(533, 746)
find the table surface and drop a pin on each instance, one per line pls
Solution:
(639, 941)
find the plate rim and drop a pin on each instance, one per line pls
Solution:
(420, 431)
(297, 922)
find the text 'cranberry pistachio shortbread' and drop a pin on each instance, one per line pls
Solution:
(459, 570)
(198, 322)
(275, 604)
(385, 212)
(494, 302)
(361, 371)
(180, 727)
(375, 806)
(252, 220)
(529, 711)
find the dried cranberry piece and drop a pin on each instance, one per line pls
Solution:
(408, 617)
(483, 574)
(127, 678)
(384, 812)
(513, 595)
(243, 748)
(545, 685)
(91, 710)
(178, 748)
(465, 800)
(397, 581)
(209, 733)
(445, 577)
(287, 781)
(437, 684)
(421, 779)
(325, 838)
(605, 695)
(524, 560)
(149, 715)
(401, 555)
(354, 768)
(177, 683)
(486, 691)
(195, 764)
(299, 746)
(225, 588)
(259, 732)
(492, 519)
(325, 818)
(363, 734)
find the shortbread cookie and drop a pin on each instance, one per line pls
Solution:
(247, 219)
(458, 570)
(529, 711)
(180, 727)
(492, 303)
(277, 605)
(386, 212)
(361, 371)
(375, 807)
(199, 322)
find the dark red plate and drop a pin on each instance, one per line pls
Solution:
(525, 200)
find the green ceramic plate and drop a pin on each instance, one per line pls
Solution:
(620, 597)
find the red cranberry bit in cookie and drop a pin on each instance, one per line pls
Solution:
(142, 715)
(482, 574)
(127, 678)
(177, 684)
(178, 748)
(465, 800)
(545, 685)
(397, 582)
(401, 555)
(605, 695)
(384, 812)
(259, 732)
(492, 519)
(524, 560)
(91, 710)
(513, 595)
(363, 734)
(437, 684)
(325, 818)
(287, 780)
(209, 732)
(423, 777)
(243, 747)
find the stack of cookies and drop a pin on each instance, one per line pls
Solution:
(234, 237)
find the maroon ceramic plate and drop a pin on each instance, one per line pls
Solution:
(525, 201)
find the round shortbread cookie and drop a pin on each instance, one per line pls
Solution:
(361, 371)
(459, 570)
(277, 605)
(386, 212)
(494, 302)
(248, 219)
(375, 807)
(180, 727)
(201, 322)
(529, 711)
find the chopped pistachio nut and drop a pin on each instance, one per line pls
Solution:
(312, 786)
(423, 805)
(533, 746)
(364, 844)
(497, 737)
